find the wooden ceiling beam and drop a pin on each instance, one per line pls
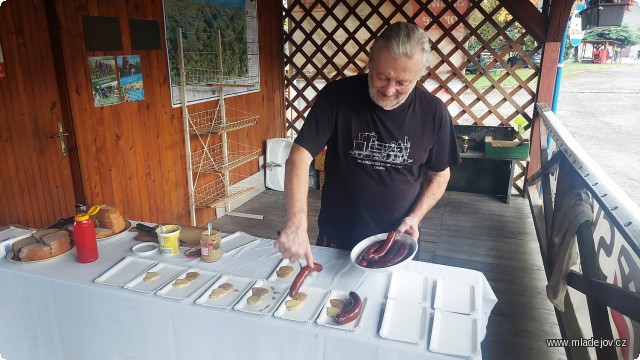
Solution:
(529, 17)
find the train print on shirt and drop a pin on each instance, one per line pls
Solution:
(367, 150)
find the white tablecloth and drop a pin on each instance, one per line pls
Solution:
(54, 310)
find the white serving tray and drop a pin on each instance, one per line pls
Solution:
(126, 270)
(404, 321)
(269, 302)
(456, 296)
(324, 320)
(169, 291)
(455, 334)
(241, 285)
(167, 272)
(409, 286)
(236, 241)
(310, 308)
(289, 279)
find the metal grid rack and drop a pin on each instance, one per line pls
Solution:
(211, 121)
(217, 158)
(213, 194)
(212, 159)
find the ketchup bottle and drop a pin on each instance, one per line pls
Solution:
(84, 235)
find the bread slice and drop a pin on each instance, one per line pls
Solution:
(35, 252)
(19, 244)
(59, 242)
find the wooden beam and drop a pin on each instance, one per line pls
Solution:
(529, 17)
(558, 19)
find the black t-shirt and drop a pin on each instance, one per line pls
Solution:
(375, 158)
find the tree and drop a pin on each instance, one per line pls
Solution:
(625, 35)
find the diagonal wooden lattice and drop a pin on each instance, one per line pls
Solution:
(329, 39)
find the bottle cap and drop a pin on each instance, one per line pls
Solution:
(85, 216)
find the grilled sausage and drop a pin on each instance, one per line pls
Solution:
(400, 255)
(302, 274)
(387, 258)
(381, 250)
(351, 311)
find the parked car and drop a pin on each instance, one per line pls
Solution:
(473, 69)
(513, 60)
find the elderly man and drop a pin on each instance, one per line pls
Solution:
(389, 148)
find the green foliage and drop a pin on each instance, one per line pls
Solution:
(624, 34)
(200, 22)
(488, 31)
(520, 123)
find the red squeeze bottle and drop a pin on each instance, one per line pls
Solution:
(84, 235)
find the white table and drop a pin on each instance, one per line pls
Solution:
(54, 310)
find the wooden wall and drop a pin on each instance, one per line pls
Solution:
(132, 154)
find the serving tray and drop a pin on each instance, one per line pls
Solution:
(124, 271)
(241, 285)
(404, 321)
(324, 320)
(310, 308)
(183, 293)
(268, 303)
(167, 273)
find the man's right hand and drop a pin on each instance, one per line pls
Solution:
(293, 244)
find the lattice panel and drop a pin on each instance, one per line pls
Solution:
(330, 39)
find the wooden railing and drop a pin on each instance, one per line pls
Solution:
(603, 296)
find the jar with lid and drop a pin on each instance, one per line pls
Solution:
(210, 248)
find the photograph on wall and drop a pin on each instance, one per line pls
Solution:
(104, 82)
(3, 71)
(130, 75)
(201, 22)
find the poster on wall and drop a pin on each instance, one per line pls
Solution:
(200, 22)
(3, 71)
(104, 83)
(130, 78)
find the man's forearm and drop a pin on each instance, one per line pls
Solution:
(433, 189)
(296, 185)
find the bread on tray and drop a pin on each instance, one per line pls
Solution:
(42, 245)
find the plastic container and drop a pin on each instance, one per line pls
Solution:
(84, 236)
(169, 239)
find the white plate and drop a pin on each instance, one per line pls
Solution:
(456, 296)
(324, 320)
(310, 308)
(289, 279)
(455, 334)
(183, 293)
(241, 285)
(364, 244)
(167, 272)
(236, 241)
(409, 286)
(145, 248)
(404, 321)
(126, 270)
(269, 302)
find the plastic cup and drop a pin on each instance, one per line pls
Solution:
(169, 239)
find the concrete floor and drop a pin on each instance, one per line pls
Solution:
(600, 110)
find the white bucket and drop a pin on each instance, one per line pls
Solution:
(169, 239)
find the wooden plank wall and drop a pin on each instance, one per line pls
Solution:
(132, 155)
(35, 179)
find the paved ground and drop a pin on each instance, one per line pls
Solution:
(601, 110)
